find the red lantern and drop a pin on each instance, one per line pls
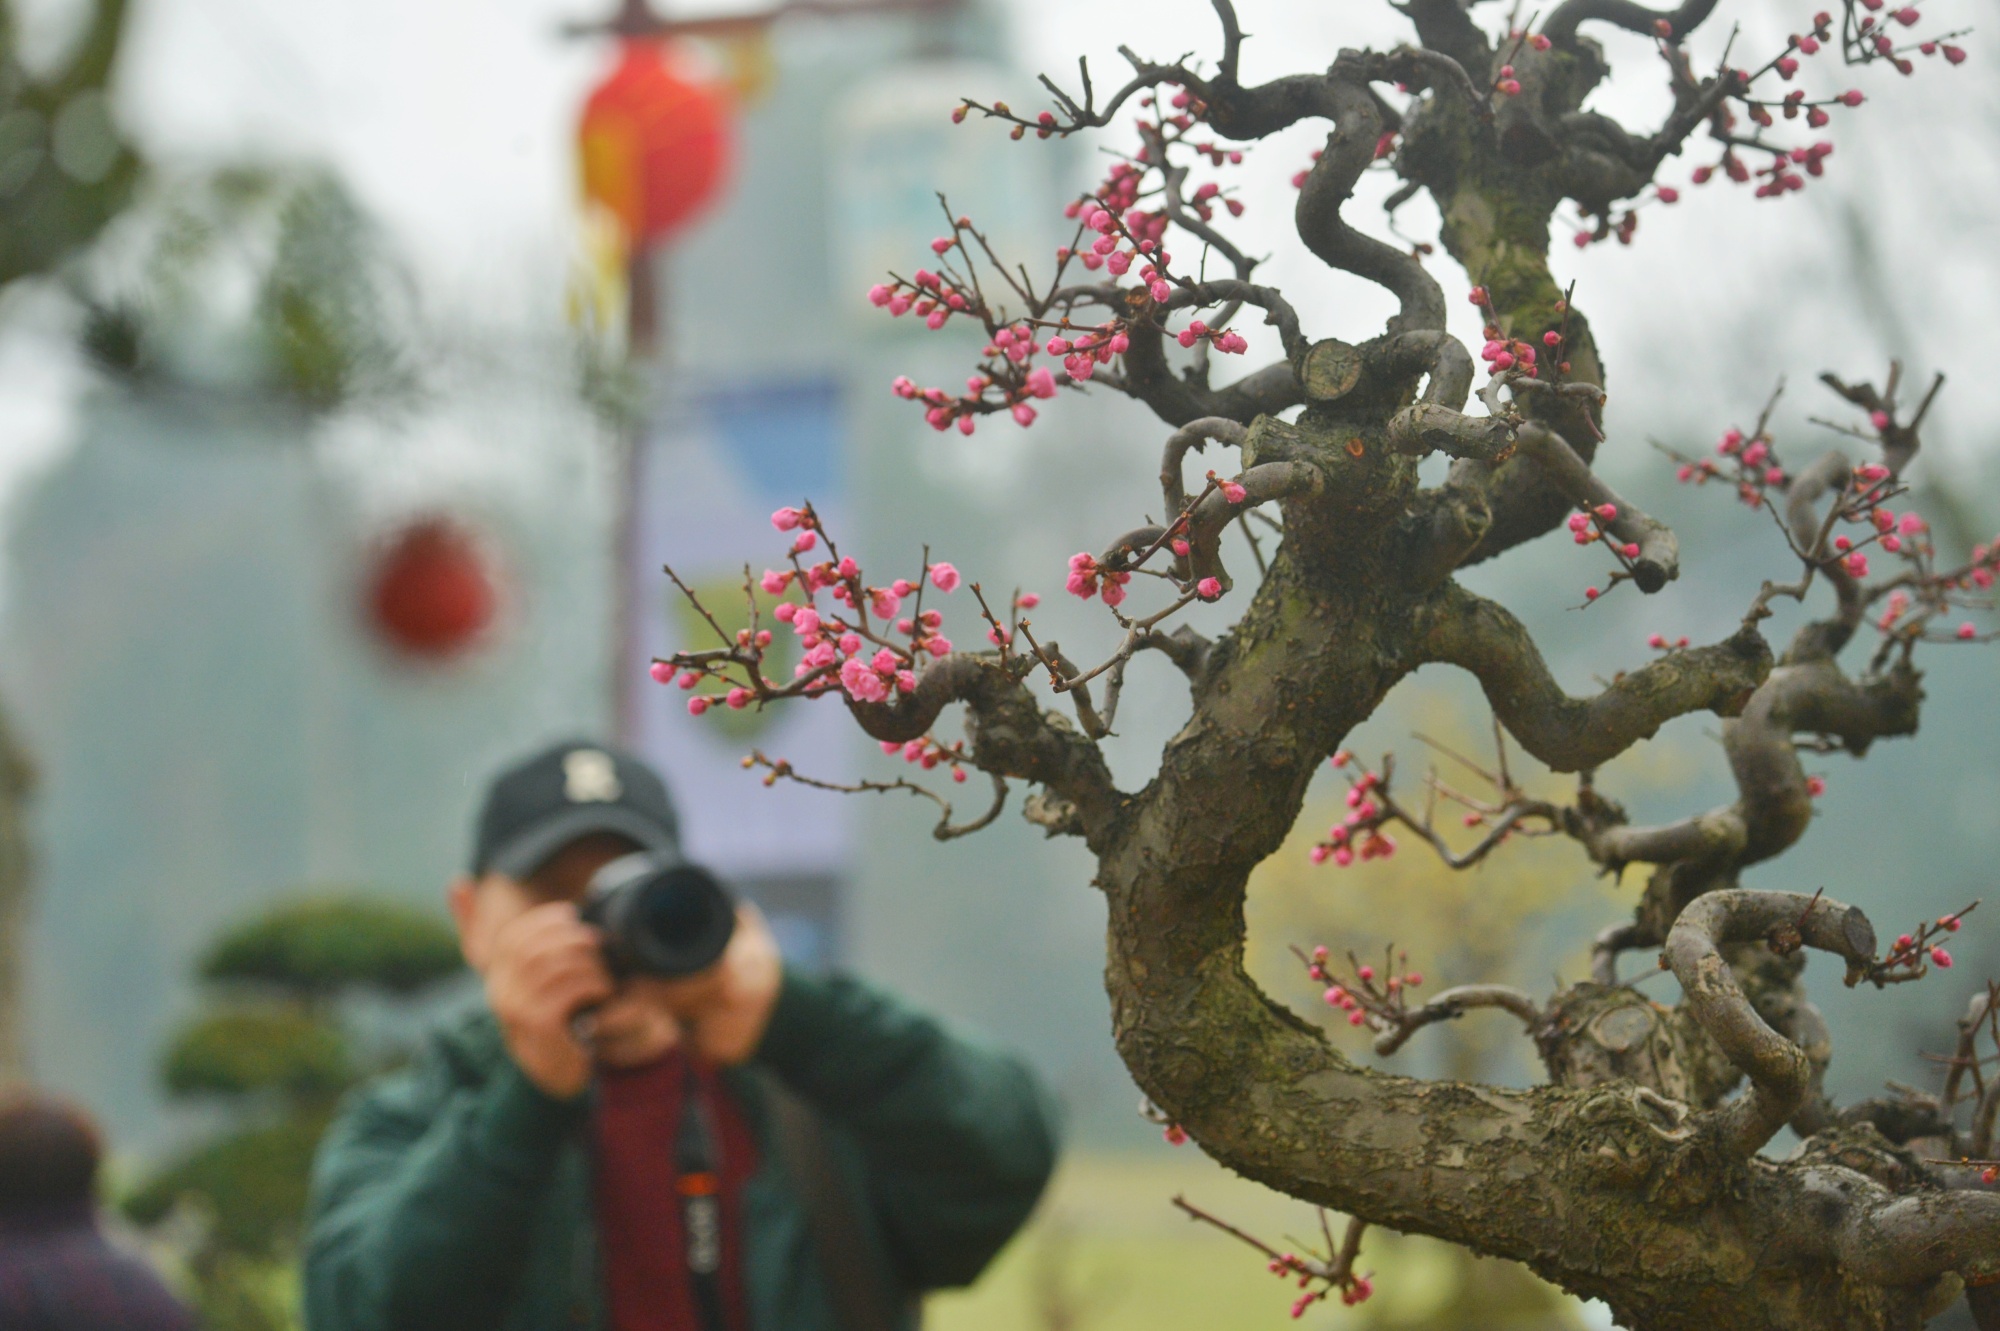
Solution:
(432, 593)
(655, 143)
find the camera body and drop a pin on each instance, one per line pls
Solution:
(660, 917)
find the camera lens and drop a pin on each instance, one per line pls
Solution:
(660, 919)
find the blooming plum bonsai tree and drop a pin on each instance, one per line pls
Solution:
(1643, 1172)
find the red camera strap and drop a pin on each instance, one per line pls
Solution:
(672, 1152)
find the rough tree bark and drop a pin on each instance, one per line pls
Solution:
(1639, 1173)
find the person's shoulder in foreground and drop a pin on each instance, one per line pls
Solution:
(57, 1271)
(460, 1191)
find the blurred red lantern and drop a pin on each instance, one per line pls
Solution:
(432, 591)
(655, 143)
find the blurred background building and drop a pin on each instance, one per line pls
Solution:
(316, 510)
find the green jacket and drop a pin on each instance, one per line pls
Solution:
(456, 1194)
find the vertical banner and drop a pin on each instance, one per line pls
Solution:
(710, 472)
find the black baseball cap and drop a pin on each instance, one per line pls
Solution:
(567, 791)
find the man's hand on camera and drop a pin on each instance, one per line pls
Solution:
(546, 966)
(726, 1007)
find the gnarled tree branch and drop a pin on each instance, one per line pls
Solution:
(1571, 734)
(1778, 1069)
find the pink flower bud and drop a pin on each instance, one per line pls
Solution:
(1941, 958)
(785, 519)
(1234, 492)
(1815, 786)
(944, 577)
(1208, 589)
(737, 699)
(1966, 630)
(1160, 291)
(880, 295)
(696, 706)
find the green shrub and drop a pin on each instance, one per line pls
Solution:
(252, 1184)
(268, 1048)
(324, 944)
(272, 1044)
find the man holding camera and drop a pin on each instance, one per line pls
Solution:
(607, 1143)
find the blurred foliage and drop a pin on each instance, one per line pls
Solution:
(274, 1050)
(252, 1186)
(318, 945)
(282, 1050)
(1523, 914)
(244, 1293)
(1513, 919)
(259, 279)
(65, 171)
